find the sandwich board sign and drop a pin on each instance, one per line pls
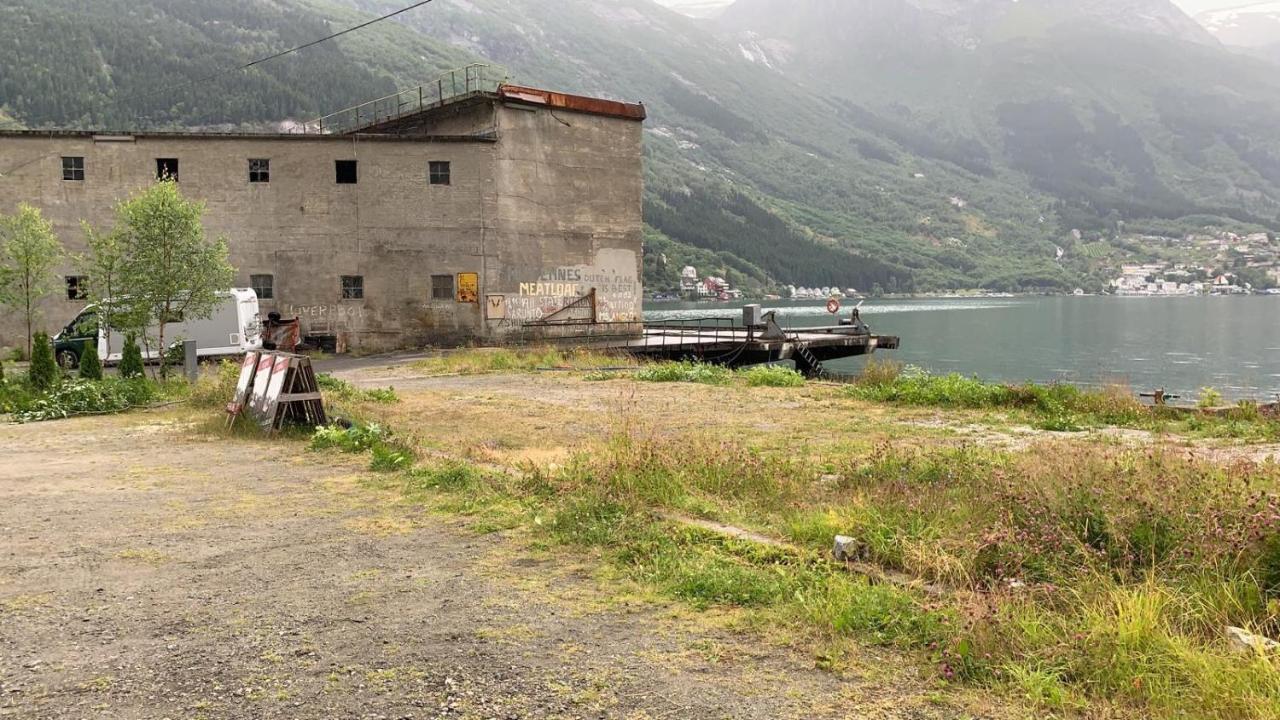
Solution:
(274, 387)
(247, 370)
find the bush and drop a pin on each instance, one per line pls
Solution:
(689, 372)
(44, 370)
(131, 358)
(1209, 398)
(772, 376)
(387, 455)
(218, 390)
(90, 365)
(354, 439)
(879, 372)
(81, 397)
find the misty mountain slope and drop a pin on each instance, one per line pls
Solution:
(1253, 28)
(1119, 110)
(914, 144)
(721, 131)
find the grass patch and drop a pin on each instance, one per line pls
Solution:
(685, 372)
(343, 391)
(1132, 561)
(771, 376)
(387, 453)
(1059, 408)
(483, 361)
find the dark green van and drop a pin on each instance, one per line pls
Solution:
(69, 343)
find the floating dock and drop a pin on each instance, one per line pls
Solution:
(757, 340)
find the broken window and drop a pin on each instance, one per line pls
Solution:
(263, 285)
(259, 171)
(352, 287)
(73, 168)
(167, 169)
(441, 287)
(77, 286)
(346, 172)
(438, 173)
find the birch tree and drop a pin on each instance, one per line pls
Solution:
(170, 270)
(31, 252)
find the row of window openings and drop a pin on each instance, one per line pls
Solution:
(442, 287)
(346, 172)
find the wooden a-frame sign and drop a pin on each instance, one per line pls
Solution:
(275, 387)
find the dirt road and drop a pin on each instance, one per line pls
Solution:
(149, 572)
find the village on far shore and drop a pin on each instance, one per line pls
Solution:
(1218, 263)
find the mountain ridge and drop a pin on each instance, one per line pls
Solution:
(954, 166)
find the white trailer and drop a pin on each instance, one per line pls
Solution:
(233, 328)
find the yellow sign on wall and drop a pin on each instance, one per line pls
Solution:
(468, 288)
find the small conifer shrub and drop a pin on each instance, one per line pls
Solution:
(131, 358)
(44, 371)
(90, 365)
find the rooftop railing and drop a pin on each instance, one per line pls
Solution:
(475, 78)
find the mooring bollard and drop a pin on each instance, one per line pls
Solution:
(189, 361)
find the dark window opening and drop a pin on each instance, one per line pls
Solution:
(438, 173)
(73, 168)
(441, 287)
(167, 169)
(263, 285)
(346, 171)
(259, 171)
(170, 316)
(77, 287)
(352, 287)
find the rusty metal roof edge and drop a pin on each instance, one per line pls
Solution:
(570, 102)
(119, 135)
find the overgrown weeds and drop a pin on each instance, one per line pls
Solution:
(1105, 581)
(685, 372)
(387, 452)
(344, 391)
(1056, 407)
(481, 361)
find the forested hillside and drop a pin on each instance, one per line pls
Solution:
(126, 63)
(937, 151)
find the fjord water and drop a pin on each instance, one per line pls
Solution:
(1231, 344)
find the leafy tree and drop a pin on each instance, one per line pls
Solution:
(131, 358)
(102, 265)
(31, 251)
(90, 365)
(43, 372)
(173, 271)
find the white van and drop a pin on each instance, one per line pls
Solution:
(233, 328)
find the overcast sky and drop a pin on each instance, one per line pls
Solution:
(1195, 6)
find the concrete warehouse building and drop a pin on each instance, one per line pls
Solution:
(438, 216)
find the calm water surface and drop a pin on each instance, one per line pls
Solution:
(1183, 344)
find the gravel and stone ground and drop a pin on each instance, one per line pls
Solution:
(150, 569)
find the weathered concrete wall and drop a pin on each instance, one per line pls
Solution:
(546, 212)
(392, 227)
(569, 193)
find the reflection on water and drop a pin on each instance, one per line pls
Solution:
(1182, 344)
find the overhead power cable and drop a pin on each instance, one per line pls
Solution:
(361, 26)
(290, 51)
